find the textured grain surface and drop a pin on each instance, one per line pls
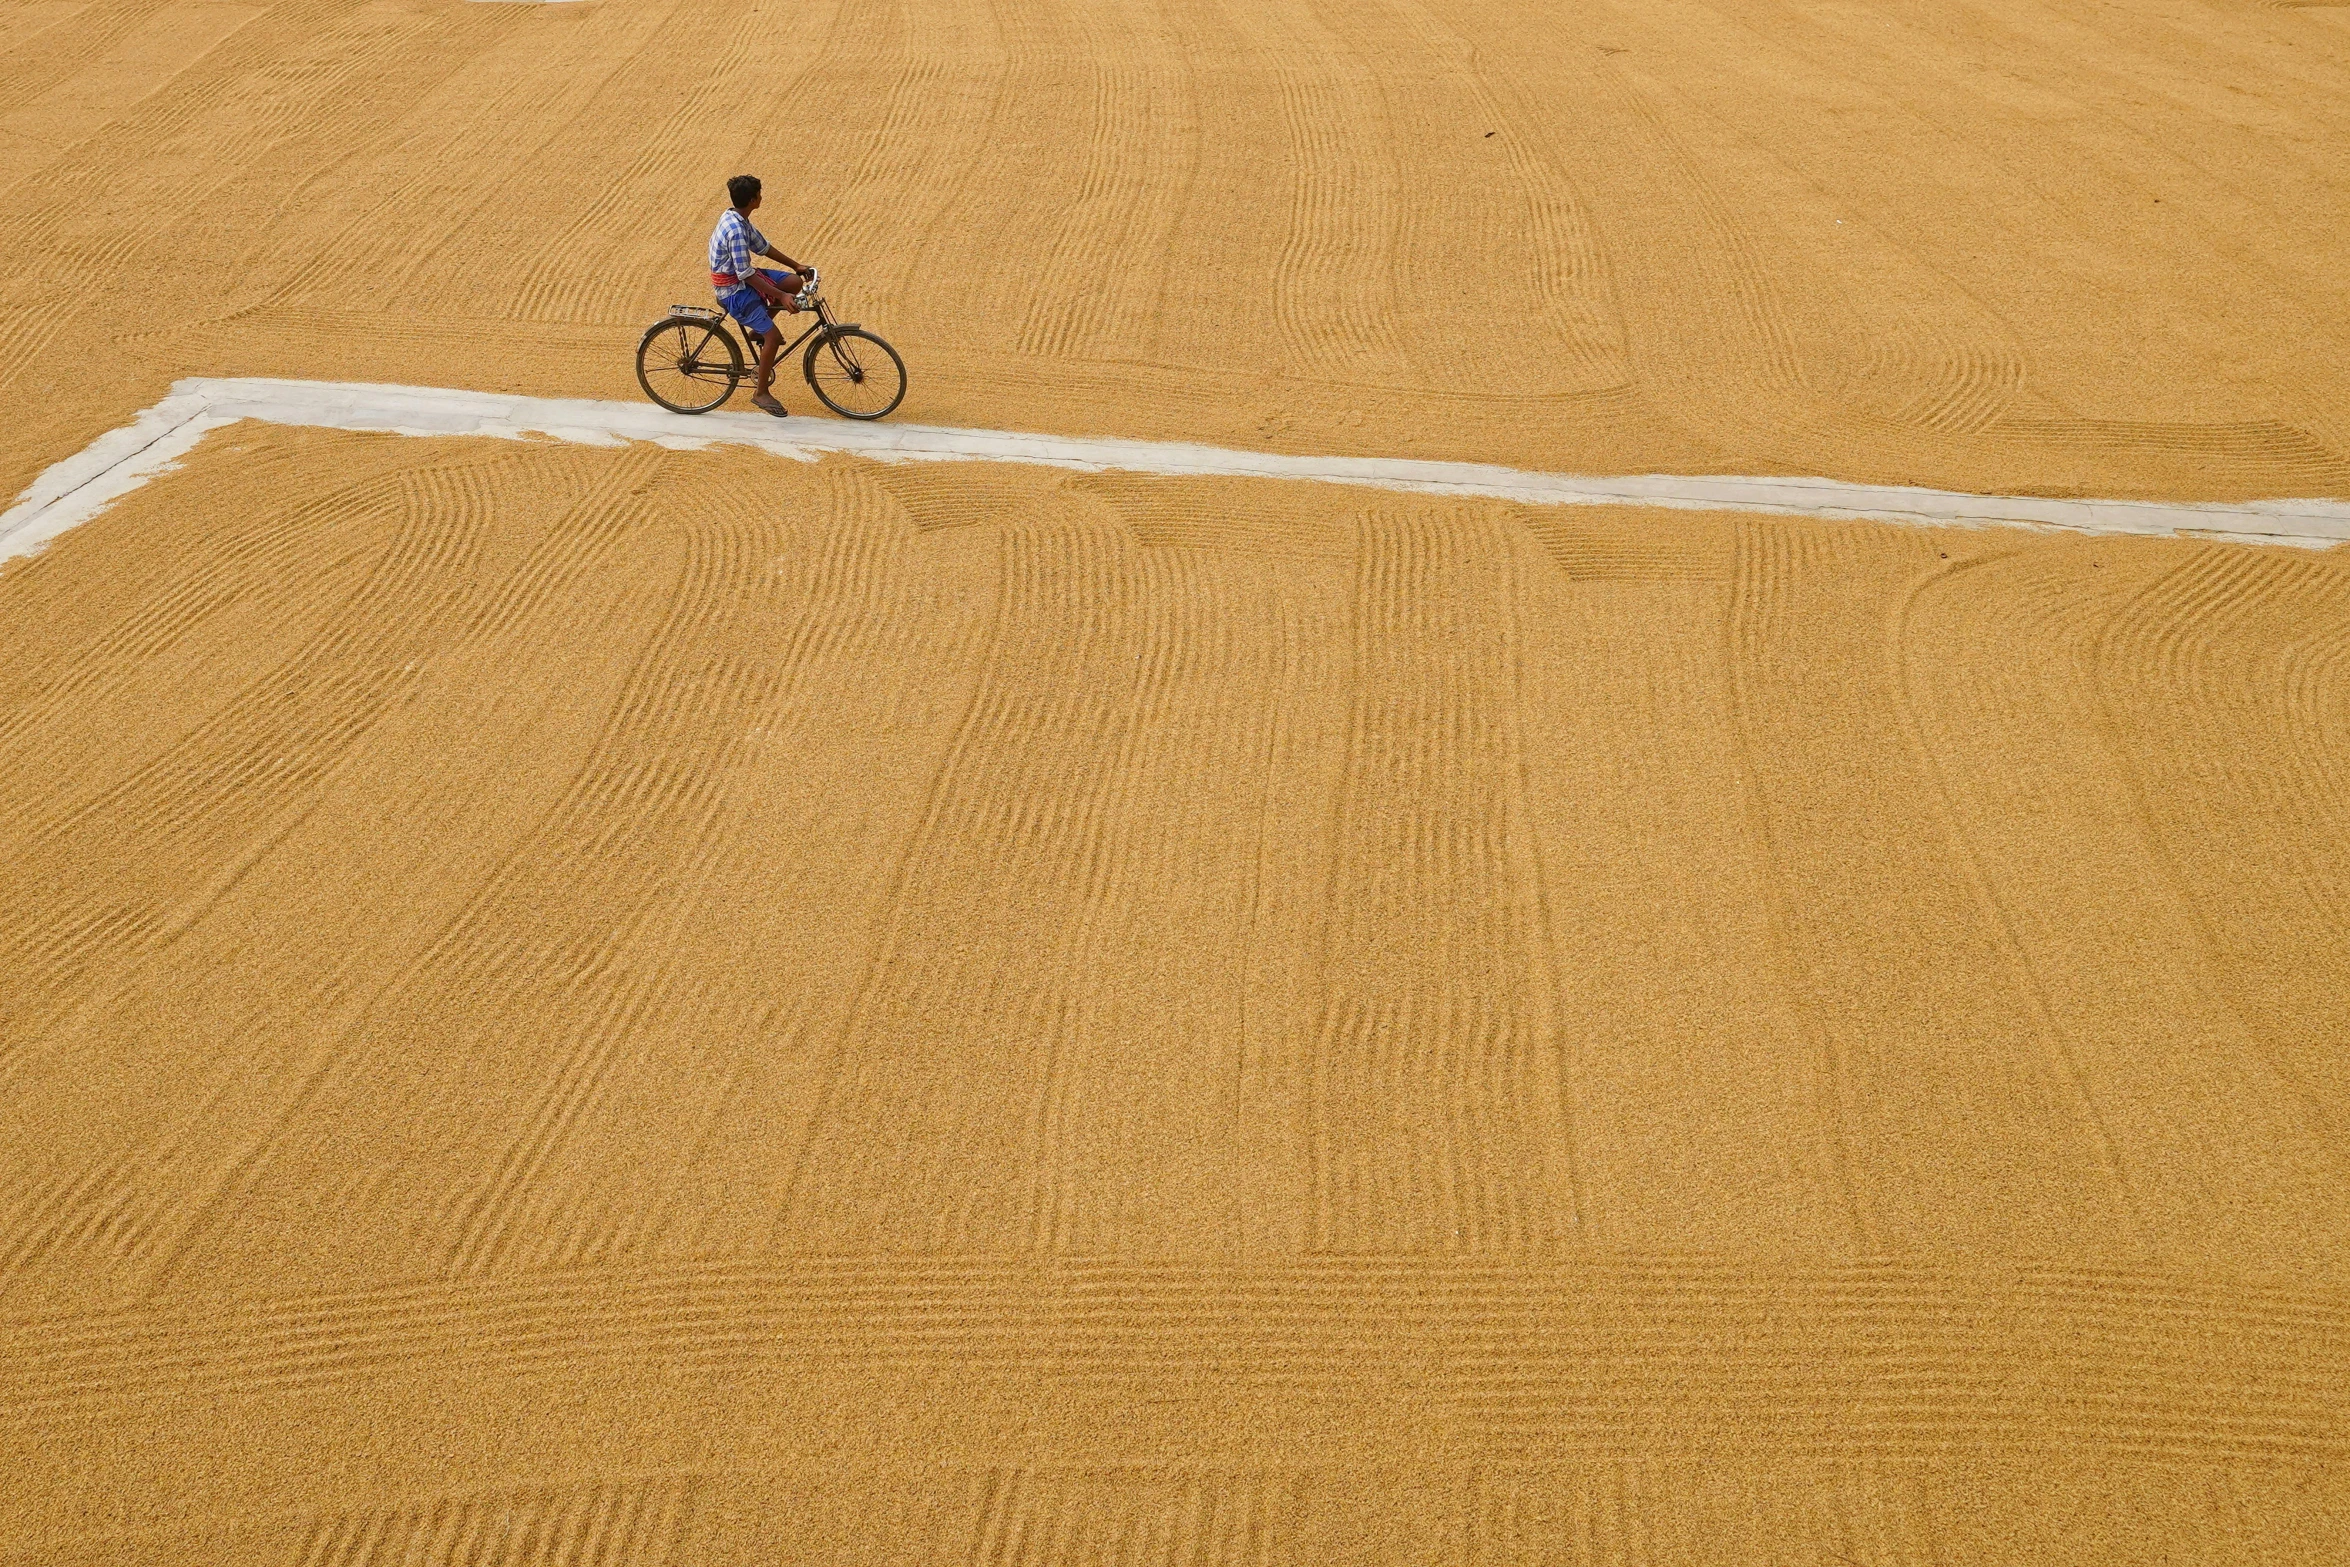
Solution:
(2015, 246)
(580, 1006)
(592, 1007)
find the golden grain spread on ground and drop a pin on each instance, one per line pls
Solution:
(580, 1006)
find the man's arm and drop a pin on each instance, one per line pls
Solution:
(768, 291)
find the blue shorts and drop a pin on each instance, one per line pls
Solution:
(744, 304)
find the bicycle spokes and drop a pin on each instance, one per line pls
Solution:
(856, 374)
(688, 366)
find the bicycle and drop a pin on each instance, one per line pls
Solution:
(689, 362)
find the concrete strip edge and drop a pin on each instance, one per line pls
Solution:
(79, 487)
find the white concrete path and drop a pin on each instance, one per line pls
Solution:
(84, 484)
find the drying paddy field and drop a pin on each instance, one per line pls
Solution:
(581, 1001)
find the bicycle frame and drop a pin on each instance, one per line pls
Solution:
(727, 323)
(822, 323)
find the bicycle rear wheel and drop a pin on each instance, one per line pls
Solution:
(856, 374)
(688, 365)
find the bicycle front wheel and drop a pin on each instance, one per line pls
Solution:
(856, 374)
(687, 365)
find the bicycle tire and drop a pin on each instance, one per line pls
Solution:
(672, 351)
(866, 390)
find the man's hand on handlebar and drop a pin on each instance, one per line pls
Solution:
(778, 296)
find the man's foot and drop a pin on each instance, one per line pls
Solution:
(765, 402)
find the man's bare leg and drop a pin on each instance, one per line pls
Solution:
(780, 290)
(763, 398)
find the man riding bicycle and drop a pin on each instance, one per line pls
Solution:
(746, 292)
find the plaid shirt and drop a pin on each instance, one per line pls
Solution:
(734, 247)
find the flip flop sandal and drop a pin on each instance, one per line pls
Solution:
(765, 402)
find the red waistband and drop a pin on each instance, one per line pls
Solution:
(724, 280)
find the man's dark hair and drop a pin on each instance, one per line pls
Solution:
(743, 189)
